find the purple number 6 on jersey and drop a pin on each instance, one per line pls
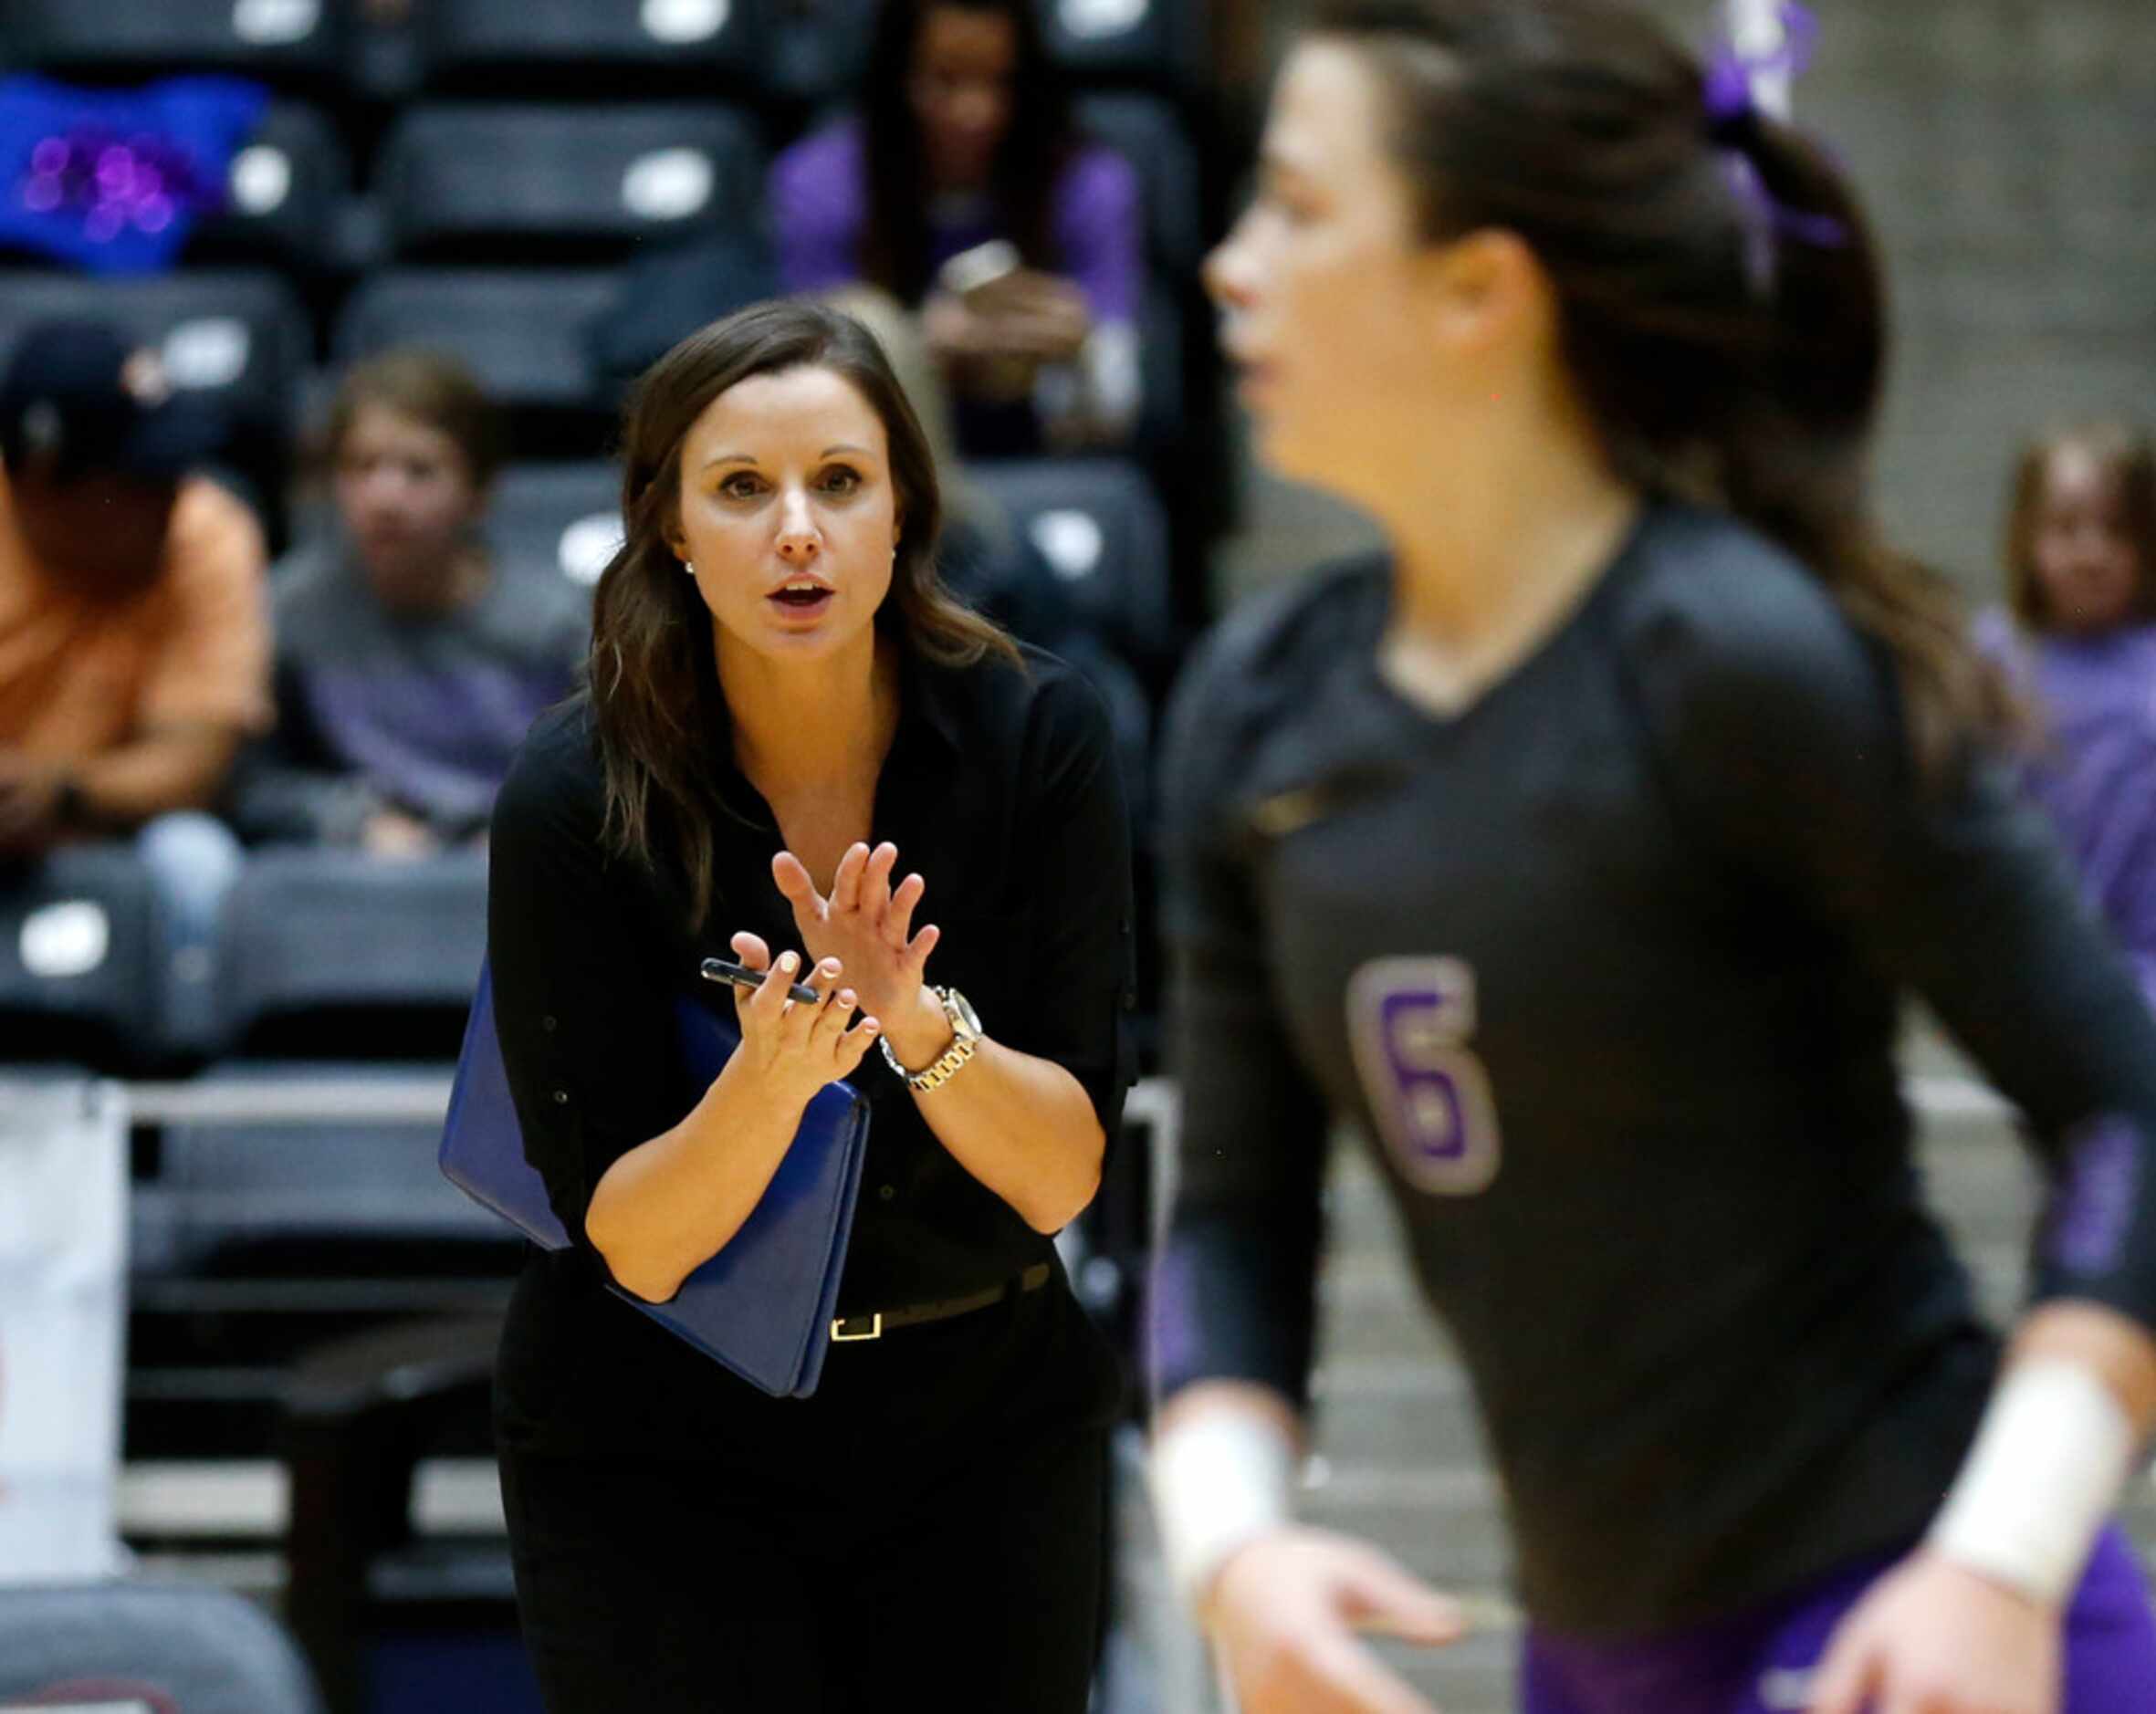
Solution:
(1410, 1020)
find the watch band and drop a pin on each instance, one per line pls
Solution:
(940, 1071)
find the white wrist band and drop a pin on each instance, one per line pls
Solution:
(1218, 1480)
(2049, 1461)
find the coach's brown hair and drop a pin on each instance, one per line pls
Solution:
(656, 692)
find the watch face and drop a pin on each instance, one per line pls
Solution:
(969, 1021)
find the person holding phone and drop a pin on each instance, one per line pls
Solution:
(801, 765)
(1581, 848)
(966, 191)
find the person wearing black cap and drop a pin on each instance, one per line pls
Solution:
(134, 639)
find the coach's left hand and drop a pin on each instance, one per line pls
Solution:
(867, 925)
(1932, 1637)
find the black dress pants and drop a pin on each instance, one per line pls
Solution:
(928, 1530)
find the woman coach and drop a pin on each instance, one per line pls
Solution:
(794, 743)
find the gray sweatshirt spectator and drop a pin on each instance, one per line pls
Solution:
(409, 661)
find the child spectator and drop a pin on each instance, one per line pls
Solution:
(2080, 643)
(964, 139)
(409, 663)
(133, 644)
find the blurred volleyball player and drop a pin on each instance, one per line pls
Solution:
(1581, 848)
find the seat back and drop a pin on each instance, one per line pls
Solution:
(816, 51)
(570, 46)
(524, 333)
(79, 961)
(288, 198)
(228, 1193)
(333, 954)
(282, 1208)
(563, 518)
(1160, 44)
(492, 183)
(241, 337)
(190, 1648)
(280, 41)
(1100, 527)
(1147, 132)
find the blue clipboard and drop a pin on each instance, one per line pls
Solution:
(763, 1306)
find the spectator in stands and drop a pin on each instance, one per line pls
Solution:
(987, 562)
(133, 642)
(2080, 641)
(409, 663)
(966, 140)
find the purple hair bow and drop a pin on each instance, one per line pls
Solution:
(1733, 123)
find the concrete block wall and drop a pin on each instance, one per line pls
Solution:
(2006, 151)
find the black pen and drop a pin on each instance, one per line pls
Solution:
(741, 976)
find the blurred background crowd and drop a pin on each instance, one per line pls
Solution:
(315, 320)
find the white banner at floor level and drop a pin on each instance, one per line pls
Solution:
(63, 1247)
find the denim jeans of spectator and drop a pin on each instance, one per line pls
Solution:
(193, 859)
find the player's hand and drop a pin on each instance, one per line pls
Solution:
(867, 925)
(1285, 1610)
(1932, 1638)
(791, 1048)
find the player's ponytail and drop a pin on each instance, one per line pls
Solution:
(1722, 301)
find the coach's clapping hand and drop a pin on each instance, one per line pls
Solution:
(867, 925)
(1287, 1607)
(793, 1048)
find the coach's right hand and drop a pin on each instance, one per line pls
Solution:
(792, 1048)
(1286, 1608)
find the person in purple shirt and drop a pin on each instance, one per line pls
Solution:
(410, 661)
(964, 139)
(2079, 641)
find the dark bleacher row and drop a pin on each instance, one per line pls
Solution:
(313, 933)
(797, 51)
(505, 233)
(433, 184)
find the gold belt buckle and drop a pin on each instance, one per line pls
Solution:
(840, 1336)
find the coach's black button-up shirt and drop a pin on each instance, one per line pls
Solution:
(1001, 789)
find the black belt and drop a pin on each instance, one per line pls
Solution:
(850, 1329)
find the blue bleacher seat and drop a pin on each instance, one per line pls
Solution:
(518, 182)
(287, 197)
(348, 956)
(79, 960)
(205, 1650)
(226, 1187)
(1160, 44)
(572, 45)
(280, 41)
(524, 333)
(284, 1207)
(240, 334)
(1146, 131)
(816, 51)
(1164, 413)
(1099, 526)
(561, 518)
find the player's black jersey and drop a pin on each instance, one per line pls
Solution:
(1608, 967)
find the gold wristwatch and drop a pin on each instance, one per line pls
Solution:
(964, 1036)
